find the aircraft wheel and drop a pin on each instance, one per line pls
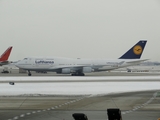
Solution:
(29, 74)
(73, 74)
(78, 74)
(81, 74)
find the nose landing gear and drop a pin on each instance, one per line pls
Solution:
(29, 73)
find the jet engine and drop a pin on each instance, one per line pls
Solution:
(66, 71)
(87, 70)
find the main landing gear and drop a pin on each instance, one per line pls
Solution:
(78, 74)
(29, 73)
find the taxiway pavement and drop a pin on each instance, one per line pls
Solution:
(144, 105)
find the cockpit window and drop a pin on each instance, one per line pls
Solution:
(25, 58)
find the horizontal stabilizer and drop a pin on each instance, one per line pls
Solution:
(137, 61)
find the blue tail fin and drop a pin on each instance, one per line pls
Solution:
(136, 51)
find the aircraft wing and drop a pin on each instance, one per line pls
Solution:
(99, 68)
(126, 64)
(75, 69)
(136, 61)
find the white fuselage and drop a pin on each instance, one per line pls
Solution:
(64, 64)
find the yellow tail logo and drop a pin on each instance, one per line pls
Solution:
(137, 49)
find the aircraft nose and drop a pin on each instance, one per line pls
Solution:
(18, 63)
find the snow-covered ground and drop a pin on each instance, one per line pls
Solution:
(77, 85)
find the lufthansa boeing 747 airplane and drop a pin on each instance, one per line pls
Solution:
(77, 67)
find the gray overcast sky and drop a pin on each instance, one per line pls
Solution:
(79, 28)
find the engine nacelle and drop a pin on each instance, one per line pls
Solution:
(66, 71)
(87, 70)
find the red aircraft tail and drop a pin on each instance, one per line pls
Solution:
(6, 54)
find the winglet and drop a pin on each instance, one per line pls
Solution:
(136, 51)
(6, 54)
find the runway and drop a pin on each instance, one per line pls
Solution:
(144, 105)
(58, 97)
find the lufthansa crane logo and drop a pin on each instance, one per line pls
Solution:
(137, 50)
